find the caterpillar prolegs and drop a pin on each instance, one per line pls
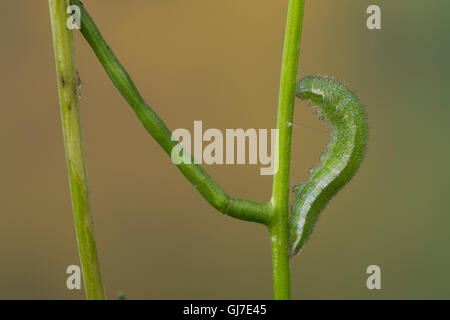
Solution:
(341, 108)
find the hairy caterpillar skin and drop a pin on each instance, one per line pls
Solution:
(341, 108)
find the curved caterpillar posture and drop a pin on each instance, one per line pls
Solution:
(340, 107)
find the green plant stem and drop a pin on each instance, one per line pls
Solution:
(274, 214)
(195, 173)
(279, 227)
(73, 141)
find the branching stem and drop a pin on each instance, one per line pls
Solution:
(195, 173)
(274, 214)
(280, 192)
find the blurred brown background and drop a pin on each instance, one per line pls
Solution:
(219, 61)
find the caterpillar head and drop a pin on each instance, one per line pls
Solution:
(321, 91)
(303, 89)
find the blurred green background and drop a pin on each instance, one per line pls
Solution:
(219, 62)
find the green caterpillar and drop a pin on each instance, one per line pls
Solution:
(339, 106)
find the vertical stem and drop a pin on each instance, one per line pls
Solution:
(73, 141)
(280, 192)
